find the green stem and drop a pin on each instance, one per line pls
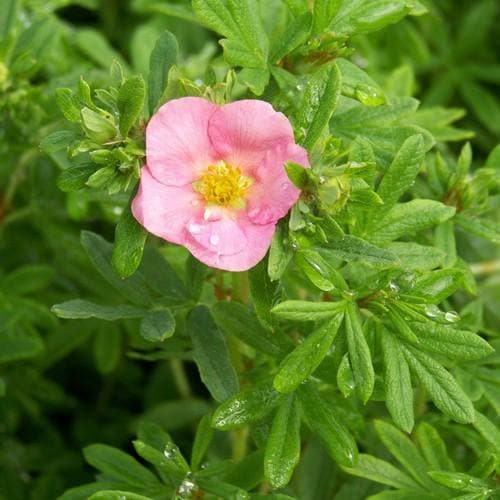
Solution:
(180, 378)
(240, 443)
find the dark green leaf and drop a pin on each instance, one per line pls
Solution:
(157, 326)
(83, 309)
(130, 102)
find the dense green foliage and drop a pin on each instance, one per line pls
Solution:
(357, 360)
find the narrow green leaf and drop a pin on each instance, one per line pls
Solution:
(449, 342)
(477, 488)
(382, 472)
(443, 389)
(69, 104)
(409, 218)
(19, 348)
(211, 354)
(352, 249)
(256, 79)
(157, 326)
(302, 310)
(196, 272)
(7, 16)
(238, 320)
(318, 103)
(57, 141)
(119, 466)
(246, 406)
(283, 444)
(83, 309)
(322, 420)
(130, 238)
(264, 293)
(117, 495)
(107, 348)
(305, 358)
(433, 447)
(296, 34)
(438, 285)
(405, 452)
(324, 11)
(359, 354)
(319, 271)
(75, 177)
(487, 429)
(97, 48)
(202, 440)
(415, 257)
(279, 254)
(400, 175)
(163, 57)
(130, 102)
(27, 279)
(397, 383)
(480, 228)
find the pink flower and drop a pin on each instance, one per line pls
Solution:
(215, 180)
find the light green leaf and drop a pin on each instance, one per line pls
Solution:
(163, 57)
(283, 444)
(130, 102)
(117, 495)
(264, 293)
(438, 285)
(83, 309)
(7, 16)
(202, 440)
(359, 354)
(409, 218)
(487, 429)
(302, 310)
(246, 42)
(305, 358)
(397, 383)
(415, 257)
(433, 447)
(19, 348)
(211, 354)
(318, 103)
(443, 389)
(296, 34)
(479, 227)
(280, 254)
(97, 48)
(256, 79)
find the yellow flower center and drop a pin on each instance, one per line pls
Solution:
(224, 185)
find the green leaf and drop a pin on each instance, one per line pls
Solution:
(433, 447)
(302, 310)
(75, 177)
(168, 460)
(264, 293)
(318, 103)
(480, 228)
(238, 320)
(296, 34)
(321, 419)
(283, 444)
(69, 104)
(27, 279)
(246, 42)
(409, 218)
(438, 285)
(246, 407)
(19, 348)
(256, 79)
(359, 354)
(196, 272)
(415, 257)
(382, 472)
(157, 326)
(130, 102)
(130, 238)
(320, 273)
(7, 16)
(163, 57)
(57, 141)
(98, 126)
(324, 11)
(488, 430)
(119, 466)
(400, 175)
(97, 48)
(483, 103)
(202, 440)
(279, 254)
(460, 481)
(117, 495)
(107, 348)
(455, 344)
(405, 452)
(305, 358)
(445, 240)
(443, 389)
(99, 252)
(211, 354)
(83, 309)
(397, 383)
(352, 249)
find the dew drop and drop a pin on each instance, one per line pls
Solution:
(169, 451)
(432, 311)
(451, 317)
(284, 186)
(394, 287)
(294, 245)
(322, 179)
(194, 228)
(195, 202)
(187, 488)
(198, 82)
(214, 239)
(117, 210)
(300, 87)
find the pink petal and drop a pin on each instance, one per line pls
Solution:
(258, 241)
(177, 142)
(243, 131)
(165, 210)
(273, 194)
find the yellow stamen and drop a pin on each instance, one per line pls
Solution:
(224, 185)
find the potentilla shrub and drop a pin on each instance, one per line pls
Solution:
(295, 242)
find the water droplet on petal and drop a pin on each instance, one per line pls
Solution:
(194, 228)
(214, 239)
(451, 317)
(284, 186)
